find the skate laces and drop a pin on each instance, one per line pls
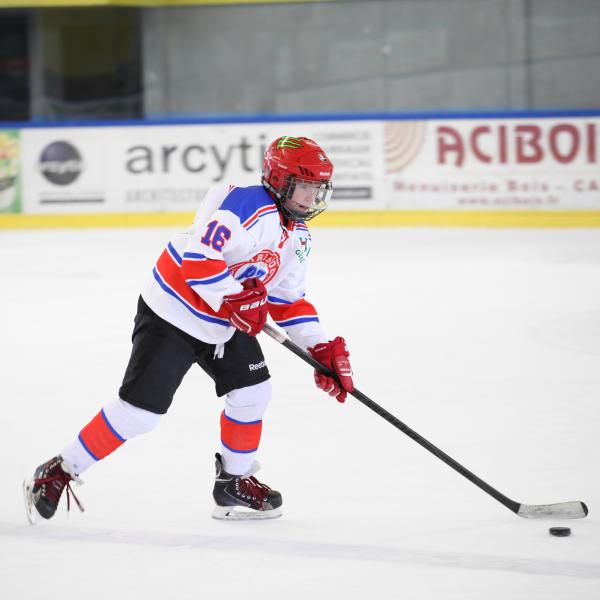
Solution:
(253, 488)
(56, 480)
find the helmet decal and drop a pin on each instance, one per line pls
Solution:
(287, 141)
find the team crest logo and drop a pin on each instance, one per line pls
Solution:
(263, 266)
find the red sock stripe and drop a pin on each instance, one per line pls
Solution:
(238, 436)
(99, 438)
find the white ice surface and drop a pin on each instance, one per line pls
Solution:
(485, 342)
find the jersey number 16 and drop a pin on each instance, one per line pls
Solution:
(216, 236)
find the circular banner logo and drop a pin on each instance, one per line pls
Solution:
(60, 163)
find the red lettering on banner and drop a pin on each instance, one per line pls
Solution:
(522, 143)
(528, 136)
(554, 148)
(591, 145)
(475, 144)
(454, 145)
(579, 185)
(503, 144)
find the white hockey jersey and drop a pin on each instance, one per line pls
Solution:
(237, 234)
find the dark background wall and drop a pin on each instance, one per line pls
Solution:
(373, 56)
(330, 57)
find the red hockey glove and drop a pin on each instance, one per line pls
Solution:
(334, 355)
(248, 307)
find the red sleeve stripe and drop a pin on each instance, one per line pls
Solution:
(284, 312)
(168, 275)
(206, 269)
(238, 436)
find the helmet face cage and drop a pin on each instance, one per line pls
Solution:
(297, 173)
(304, 199)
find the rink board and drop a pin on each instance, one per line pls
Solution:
(527, 171)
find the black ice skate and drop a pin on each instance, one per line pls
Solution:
(43, 491)
(241, 497)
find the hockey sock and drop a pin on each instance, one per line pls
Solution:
(116, 423)
(241, 426)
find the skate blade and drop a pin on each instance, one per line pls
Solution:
(237, 513)
(30, 510)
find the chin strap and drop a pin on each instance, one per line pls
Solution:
(271, 189)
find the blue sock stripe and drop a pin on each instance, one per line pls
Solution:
(112, 429)
(241, 422)
(86, 448)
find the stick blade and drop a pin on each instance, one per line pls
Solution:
(561, 510)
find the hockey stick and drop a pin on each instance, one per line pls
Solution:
(563, 510)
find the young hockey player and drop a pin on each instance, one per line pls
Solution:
(205, 302)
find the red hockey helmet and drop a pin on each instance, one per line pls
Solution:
(297, 174)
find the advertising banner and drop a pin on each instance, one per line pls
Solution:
(65, 170)
(10, 185)
(496, 165)
(170, 168)
(493, 164)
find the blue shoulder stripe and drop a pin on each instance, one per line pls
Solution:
(245, 201)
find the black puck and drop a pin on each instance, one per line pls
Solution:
(560, 531)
